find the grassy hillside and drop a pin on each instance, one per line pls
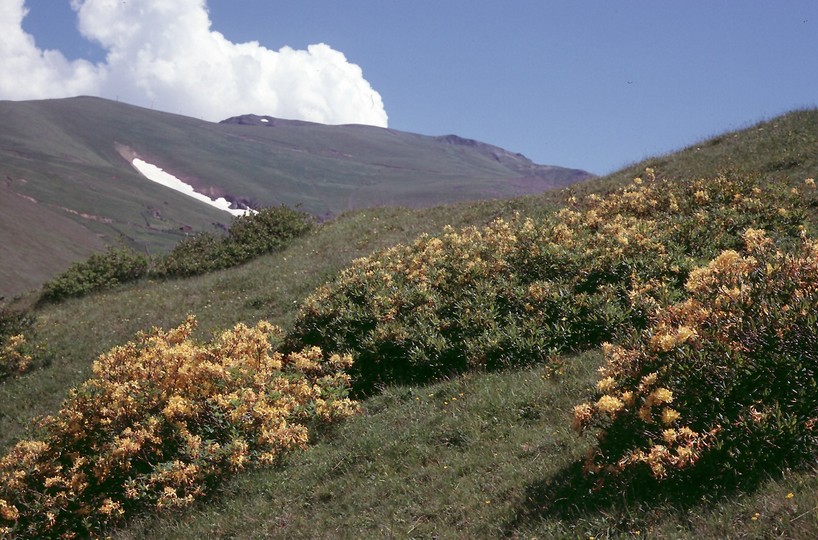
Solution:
(29, 259)
(69, 159)
(269, 287)
(780, 147)
(480, 455)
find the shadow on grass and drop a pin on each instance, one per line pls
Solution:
(570, 495)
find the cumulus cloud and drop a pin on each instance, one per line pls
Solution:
(164, 54)
(27, 72)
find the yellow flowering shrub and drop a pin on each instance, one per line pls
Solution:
(722, 386)
(520, 291)
(12, 359)
(15, 351)
(161, 421)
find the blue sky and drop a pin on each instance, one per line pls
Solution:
(593, 85)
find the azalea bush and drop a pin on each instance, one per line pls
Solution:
(197, 254)
(100, 271)
(270, 229)
(721, 386)
(161, 422)
(267, 230)
(15, 351)
(519, 291)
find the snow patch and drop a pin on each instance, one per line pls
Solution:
(264, 120)
(156, 174)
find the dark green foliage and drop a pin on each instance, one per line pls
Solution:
(251, 235)
(197, 254)
(268, 230)
(98, 272)
(14, 322)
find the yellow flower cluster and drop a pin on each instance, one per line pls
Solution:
(666, 339)
(12, 359)
(518, 290)
(609, 405)
(8, 512)
(161, 418)
(751, 310)
(681, 449)
(704, 280)
(464, 257)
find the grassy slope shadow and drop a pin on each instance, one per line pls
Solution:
(571, 494)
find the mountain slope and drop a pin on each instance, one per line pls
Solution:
(417, 463)
(35, 255)
(783, 146)
(70, 159)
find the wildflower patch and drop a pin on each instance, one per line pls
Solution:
(724, 384)
(161, 421)
(16, 354)
(519, 291)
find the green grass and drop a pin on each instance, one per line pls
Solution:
(32, 260)
(422, 461)
(449, 459)
(475, 457)
(782, 146)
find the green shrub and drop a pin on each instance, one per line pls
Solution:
(250, 235)
(515, 293)
(269, 229)
(99, 271)
(161, 422)
(14, 322)
(198, 254)
(721, 387)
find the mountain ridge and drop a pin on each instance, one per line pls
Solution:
(71, 159)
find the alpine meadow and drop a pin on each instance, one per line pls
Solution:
(629, 356)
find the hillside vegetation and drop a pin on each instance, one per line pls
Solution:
(67, 177)
(475, 333)
(249, 236)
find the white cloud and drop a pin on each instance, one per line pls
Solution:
(164, 54)
(27, 72)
